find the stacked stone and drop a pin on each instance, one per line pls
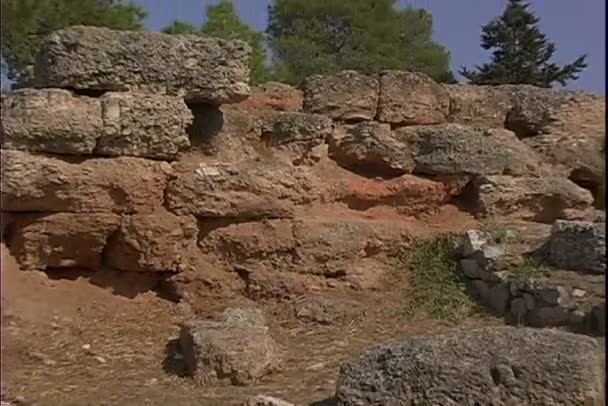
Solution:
(86, 153)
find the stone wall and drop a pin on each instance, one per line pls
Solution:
(145, 152)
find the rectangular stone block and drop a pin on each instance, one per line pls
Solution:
(202, 69)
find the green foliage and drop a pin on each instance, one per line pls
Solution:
(223, 21)
(436, 285)
(326, 36)
(527, 270)
(521, 52)
(180, 27)
(25, 23)
(498, 233)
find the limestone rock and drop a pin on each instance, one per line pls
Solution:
(51, 120)
(372, 148)
(61, 240)
(454, 149)
(578, 246)
(248, 189)
(237, 350)
(347, 95)
(37, 183)
(410, 98)
(154, 242)
(324, 311)
(149, 126)
(542, 200)
(204, 69)
(483, 366)
(276, 286)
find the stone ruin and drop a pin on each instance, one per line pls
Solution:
(148, 153)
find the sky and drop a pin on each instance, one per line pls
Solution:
(576, 27)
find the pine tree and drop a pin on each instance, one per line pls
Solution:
(325, 36)
(521, 53)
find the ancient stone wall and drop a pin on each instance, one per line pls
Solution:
(144, 152)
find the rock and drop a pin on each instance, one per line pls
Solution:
(485, 366)
(347, 96)
(236, 350)
(199, 68)
(149, 126)
(471, 269)
(409, 98)
(117, 124)
(578, 246)
(454, 149)
(598, 319)
(270, 96)
(247, 190)
(36, 183)
(477, 247)
(324, 311)
(276, 286)
(155, 242)
(371, 147)
(480, 106)
(51, 120)
(409, 194)
(553, 296)
(542, 200)
(518, 310)
(61, 240)
(548, 316)
(263, 400)
(474, 241)
(299, 132)
(498, 299)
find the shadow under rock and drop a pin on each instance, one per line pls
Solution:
(325, 402)
(174, 364)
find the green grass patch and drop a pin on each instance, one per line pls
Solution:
(435, 285)
(527, 270)
(496, 232)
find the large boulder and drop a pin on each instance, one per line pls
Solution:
(202, 69)
(149, 126)
(483, 106)
(247, 190)
(51, 120)
(347, 95)
(409, 98)
(454, 149)
(542, 199)
(495, 365)
(153, 242)
(578, 246)
(371, 148)
(37, 183)
(117, 124)
(61, 240)
(237, 349)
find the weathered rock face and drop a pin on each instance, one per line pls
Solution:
(325, 311)
(542, 200)
(36, 183)
(408, 98)
(263, 400)
(148, 126)
(484, 366)
(371, 147)
(51, 120)
(61, 240)
(117, 124)
(578, 246)
(157, 242)
(247, 190)
(347, 96)
(198, 68)
(236, 350)
(454, 149)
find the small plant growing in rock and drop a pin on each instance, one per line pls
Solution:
(436, 286)
(529, 269)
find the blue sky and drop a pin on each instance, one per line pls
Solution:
(576, 26)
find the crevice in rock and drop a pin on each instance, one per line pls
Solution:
(467, 199)
(371, 171)
(121, 283)
(208, 224)
(585, 180)
(96, 93)
(207, 124)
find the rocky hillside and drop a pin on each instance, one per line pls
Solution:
(149, 155)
